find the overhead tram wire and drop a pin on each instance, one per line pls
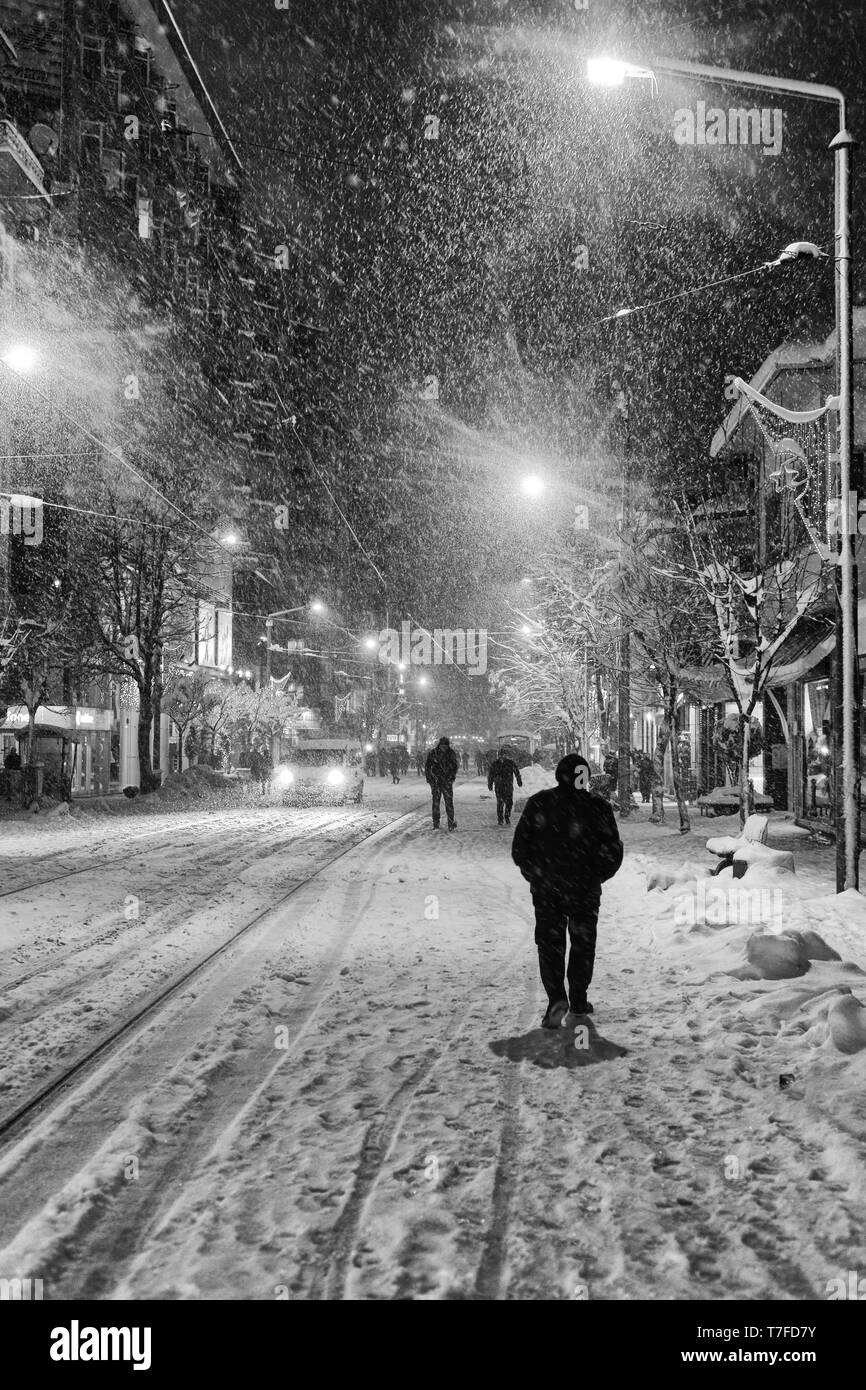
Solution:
(114, 453)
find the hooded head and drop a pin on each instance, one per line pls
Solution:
(573, 772)
(444, 742)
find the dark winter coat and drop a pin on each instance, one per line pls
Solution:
(567, 842)
(441, 766)
(502, 774)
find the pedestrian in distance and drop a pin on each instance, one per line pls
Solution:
(12, 764)
(464, 758)
(255, 766)
(383, 762)
(566, 846)
(645, 776)
(500, 779)
(479, 763)
(266, 768)
(419, 762)
(394, 765)
(440, 770)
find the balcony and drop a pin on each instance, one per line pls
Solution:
(20, 170)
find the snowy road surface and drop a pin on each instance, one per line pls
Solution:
(356, 1101)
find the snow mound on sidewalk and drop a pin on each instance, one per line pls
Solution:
(535, 779)
(776, 957)
(846, 1020)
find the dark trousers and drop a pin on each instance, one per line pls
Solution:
(553, 919)
(504, 802)
(439, 790)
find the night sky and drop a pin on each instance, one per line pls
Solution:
(460, 257)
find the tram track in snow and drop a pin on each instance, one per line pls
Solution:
(145, 1010)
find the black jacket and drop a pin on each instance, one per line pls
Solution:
(567, 843)
(502, 773)
(441, 765)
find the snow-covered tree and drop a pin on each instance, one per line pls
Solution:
(756, 581)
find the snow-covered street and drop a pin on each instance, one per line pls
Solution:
(356, 1100)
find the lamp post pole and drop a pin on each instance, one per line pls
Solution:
(847, 788)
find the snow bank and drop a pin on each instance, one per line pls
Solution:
(535, 779)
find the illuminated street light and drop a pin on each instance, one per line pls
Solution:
(231, 539)
(21, 357)
(370, 643)
(532, 485)
(317, 606)
(610, 72)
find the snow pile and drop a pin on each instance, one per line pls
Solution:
(535, 779)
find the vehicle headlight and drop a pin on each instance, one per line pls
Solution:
(284, 777)
(335, 777)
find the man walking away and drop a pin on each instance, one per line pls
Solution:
(419, 762)
(394, 764)
(500, 779)
(440, 771)
(479, 763)
(567, 845)
(464, 758)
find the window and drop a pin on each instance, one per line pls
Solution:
(206, 637)
(224, 637)
(114, 168)
(90, 144)
(92, 55)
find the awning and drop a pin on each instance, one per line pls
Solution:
(810, 642)
(706, 684)
(52, 721)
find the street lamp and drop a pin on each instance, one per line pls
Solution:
(532, 485)
(20, 357)
(612, 73)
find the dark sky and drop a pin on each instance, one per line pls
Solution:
(457, 258)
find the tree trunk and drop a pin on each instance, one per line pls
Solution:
(31, 734)
(658, 788)
(145, 724)
(745, 730)
(602, 710)
(685, 823)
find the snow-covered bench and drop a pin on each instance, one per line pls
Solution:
(754, 832)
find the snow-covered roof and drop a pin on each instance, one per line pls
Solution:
(790, 357)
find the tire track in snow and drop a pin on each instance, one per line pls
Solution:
(207, 1135)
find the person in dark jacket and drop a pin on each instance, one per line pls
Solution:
(419, 762)
(566, 845)
(479, 763)
(464, 758)
(645, 776)
(394, 764)
(500, 779)
(440, 771)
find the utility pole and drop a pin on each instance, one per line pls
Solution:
(846, 680)
(624, 687)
